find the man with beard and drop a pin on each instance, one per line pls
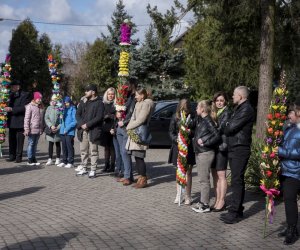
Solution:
(89, 118)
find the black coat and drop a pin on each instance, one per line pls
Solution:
(222, 120)
(17, 102)
(173, 133)
(108, 124)
(90, 112)
(239, 127)
(207, 131)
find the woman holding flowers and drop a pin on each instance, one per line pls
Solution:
(183, 106)
(221, 113)
(141, 115)
(289, 153)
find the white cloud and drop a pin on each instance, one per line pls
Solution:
(89, 12)
(58, 10)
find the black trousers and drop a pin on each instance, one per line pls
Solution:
(16, 142)
(50, 149)
(291, 187)
(140, 166)
(238, 160)
(68, 148)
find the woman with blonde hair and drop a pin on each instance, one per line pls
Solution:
(183, 105)
(108, 125)
(205, 142)
(141, 116)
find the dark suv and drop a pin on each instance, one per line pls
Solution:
(160, 122)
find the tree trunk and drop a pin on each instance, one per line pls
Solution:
(266, 65)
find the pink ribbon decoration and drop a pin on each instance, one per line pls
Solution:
(270, 194)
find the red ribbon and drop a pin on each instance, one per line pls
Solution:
(270, 194)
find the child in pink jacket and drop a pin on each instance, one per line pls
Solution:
(33, 126)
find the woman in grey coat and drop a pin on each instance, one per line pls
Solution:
(52, 131)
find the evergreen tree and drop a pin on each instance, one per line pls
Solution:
(222, 47)
(113, 38)
(29, 57)
(99, 65)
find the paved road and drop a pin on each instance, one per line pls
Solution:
(49, 208)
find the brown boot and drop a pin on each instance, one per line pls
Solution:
(137, 181)
(142, 183)
(127, 182)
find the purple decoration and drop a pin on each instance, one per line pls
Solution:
(7, 59)
(125, 33)
(269, 140)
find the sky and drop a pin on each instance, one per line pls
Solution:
(97, 12)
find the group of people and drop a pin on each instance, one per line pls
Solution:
(218, 137)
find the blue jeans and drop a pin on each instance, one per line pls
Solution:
(67, 148)
(32, 144)
(119, 162)
(126, 158)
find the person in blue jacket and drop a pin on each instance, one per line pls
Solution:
(67, 133)
(289, 153)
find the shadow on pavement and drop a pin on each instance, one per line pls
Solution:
(55, 242)
(21, 192)
(18, 169)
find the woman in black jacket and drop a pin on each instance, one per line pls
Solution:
(205, 141)
(108, 124)
(222, 114)
(183, 105)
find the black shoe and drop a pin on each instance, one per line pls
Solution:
(283, 233)
(30, 162)
(18, 160)
(217, 210)
(10, 159)
(107, 167)
(291, 235)
(230, 218)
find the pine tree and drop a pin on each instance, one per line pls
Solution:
(29, 57)
(113, 38)
(99, 65)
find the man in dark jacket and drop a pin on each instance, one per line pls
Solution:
(238, 131)
(122, 133)
(16, 113)
(89, 118)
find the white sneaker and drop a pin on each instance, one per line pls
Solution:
(57, 161)
(69, 165)
(49, 162)
(92, 174)
(177, 199)
(82, 172)
(188, 200)
(79, 168)
(37, 163)
(61, 165)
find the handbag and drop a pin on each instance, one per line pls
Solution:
(143, 134)
(48, 131)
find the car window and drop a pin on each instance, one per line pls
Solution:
(168, 112)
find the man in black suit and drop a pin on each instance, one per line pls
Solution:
(239, 132)
(16, 113)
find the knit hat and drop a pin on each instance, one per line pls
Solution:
(37, 95)
(92, 87)
(67, 99)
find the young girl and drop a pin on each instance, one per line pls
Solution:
(33, 126)
(221, 113)
(67, 133)
(289, 152)
(205, 141)
(52, 131)
(183, 105)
